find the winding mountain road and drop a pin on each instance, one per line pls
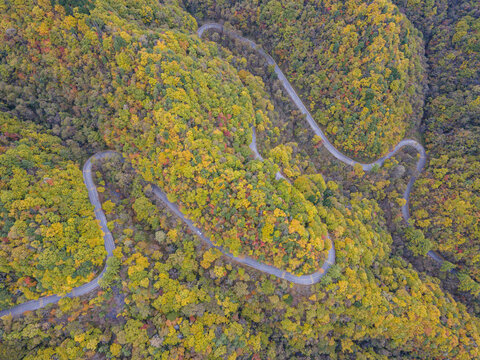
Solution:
(303, 280)
(107, 238)
(316, 129)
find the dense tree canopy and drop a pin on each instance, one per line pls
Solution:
(182, 116)
(133, 76)
(358, 64)
(51, 241)
(447, 199)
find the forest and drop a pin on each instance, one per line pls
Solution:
(50, 239)
(358, 65)
(445, 201)
(79, 77)
(450, 214)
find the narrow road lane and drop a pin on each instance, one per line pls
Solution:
(316, 129)
(302, 280)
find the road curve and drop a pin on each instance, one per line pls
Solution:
(316, 129)
(302, 280)
(107, 238)
(109, 242)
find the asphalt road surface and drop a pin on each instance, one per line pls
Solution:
(272, 270)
